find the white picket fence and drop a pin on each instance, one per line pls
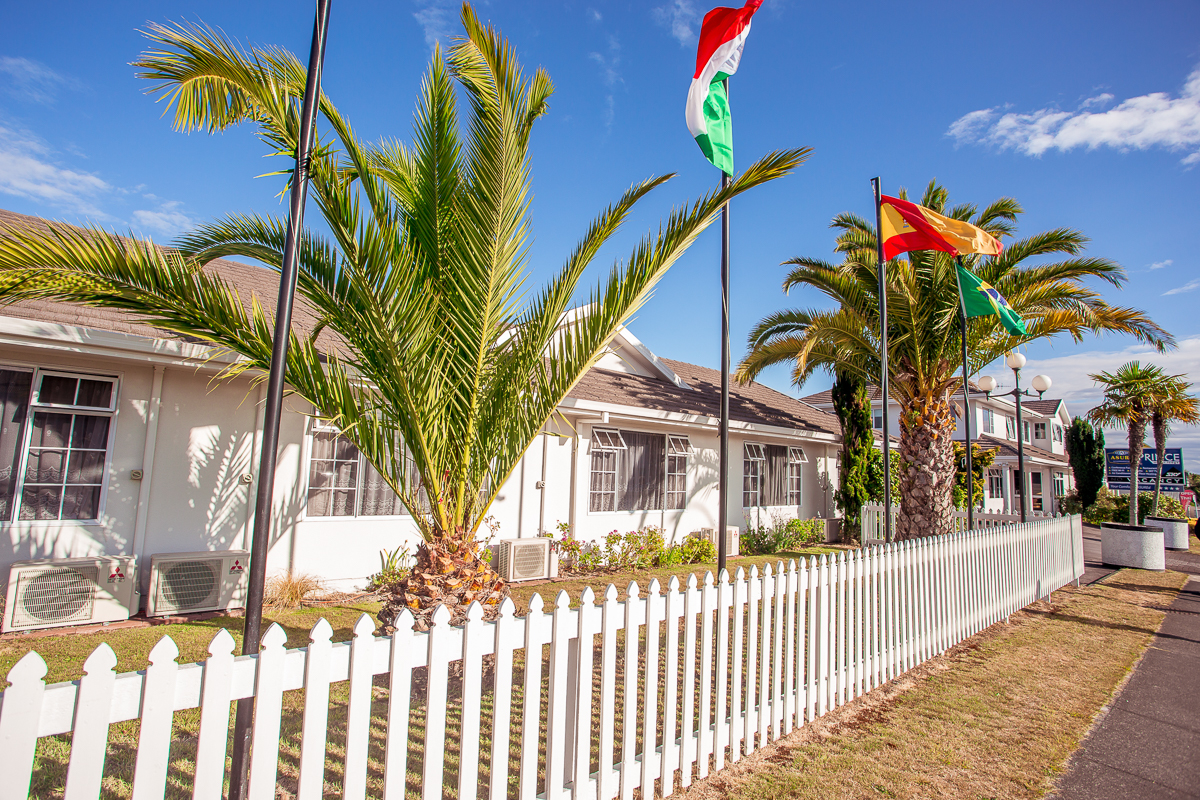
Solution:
(871, 521)
(728, 666)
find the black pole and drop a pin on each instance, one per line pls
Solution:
(962, 316)
(1020, 446)
(723, 477)
(252, 630)
(883, 365)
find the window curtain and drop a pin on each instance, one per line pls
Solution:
(641, 472)
(14, 405)
(775, 481)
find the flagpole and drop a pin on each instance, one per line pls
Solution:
(883, 365)
(723, 477)
(252, 628)
(962, 318)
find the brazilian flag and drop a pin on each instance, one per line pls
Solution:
(980, 299)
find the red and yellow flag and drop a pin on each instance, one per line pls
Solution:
(908, 226)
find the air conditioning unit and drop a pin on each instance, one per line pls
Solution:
(732, 536)
(524, 559)
(187, 583)
(69, 591)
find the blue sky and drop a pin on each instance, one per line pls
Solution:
(1087, 114)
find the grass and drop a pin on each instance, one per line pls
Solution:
(997, 717)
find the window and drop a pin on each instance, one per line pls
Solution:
(796, 461)
(341, 483)
(1058, 433)
(1025, 430)
(989, 421)
(771, 475)
(54, 460)
(1010, 427)
(877, 419)
(995, 484)
(753, 462)
(1035, 490)
(1039, 430)
(678, 448)
(634, 471)
(1060, 484)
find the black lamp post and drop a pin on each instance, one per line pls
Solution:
(1041, 384)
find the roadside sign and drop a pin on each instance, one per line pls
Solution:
(1117, 469)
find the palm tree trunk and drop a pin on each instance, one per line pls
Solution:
(447, 571)
(927, 468)
(1137, 443)
(1159, 424)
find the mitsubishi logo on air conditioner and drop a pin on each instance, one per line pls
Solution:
(236, 566)
(116, 576)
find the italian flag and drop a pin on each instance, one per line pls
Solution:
(722, 37)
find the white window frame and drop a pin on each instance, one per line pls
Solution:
(1060, 484)
(877, 419)
(1025, 429)
(679, 449)
(1037, 491)
(1057, 432)
(754, 460)
(318, 426)
(1039, 428)
(32, 406)
(1010, 428)
(797, 458)
(995, 484)
(989, 421)
(606, 439)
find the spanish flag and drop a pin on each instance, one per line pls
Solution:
(907, 226)
(980, 299)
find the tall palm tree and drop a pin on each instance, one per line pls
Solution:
(1130, 395)
(1172, 404)
(442, 370)
(923, 329)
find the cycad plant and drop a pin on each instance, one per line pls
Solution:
(1130, 395)
(1172, 404)
(923, 329)
(439, 367)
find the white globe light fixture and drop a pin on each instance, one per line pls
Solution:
(1041, 384)
(1015, 360)
(987, 383)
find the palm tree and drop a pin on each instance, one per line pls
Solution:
(1130, 395)
(1173, 404)
(442, 370)
(923, 332)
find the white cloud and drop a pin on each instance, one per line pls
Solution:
(1161, 264)
(610, 75)
(27, 170)
(436, 18)
(167, 220)
(1097, 101)
(678, 16)
(1138, 123)
(1187, 287)
(32, 81)
(594, 15)
(1070, 373)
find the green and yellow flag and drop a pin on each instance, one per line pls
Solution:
(980, 299)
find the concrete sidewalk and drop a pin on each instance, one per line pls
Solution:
(1147, 745)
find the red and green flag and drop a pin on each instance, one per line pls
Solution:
(722, 37)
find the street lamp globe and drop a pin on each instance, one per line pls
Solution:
(987, 383)
(1041, 384)
(1015, 360)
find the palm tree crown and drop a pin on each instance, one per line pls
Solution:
(442, 370)
(923, 327)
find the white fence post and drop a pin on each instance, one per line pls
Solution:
(214, 720)
(20, 712)
(158, 710)
(268, 712)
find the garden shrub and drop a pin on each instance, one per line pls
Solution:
(633, 550)
(696, 550)
(781, 536)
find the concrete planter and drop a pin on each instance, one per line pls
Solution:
(1175, 531)
(1138, 546)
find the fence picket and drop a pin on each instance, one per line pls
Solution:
(556, 708)
(634, 617)
(214, 719)
(441, 653)
(536, 623)
(158, 711)
(85, 770)
(753, 594)
(670, 750)
(268, 711)
(721, 734)
(650, 716)
(473, 646)
(765, 670)
(708, 601)
(779, 666)
(585, 634)
(789, 675)
(358, 710)
(814, 634)
(736, 725)
(610, 624)
(687, 742)
(20, 711)
(402, 660)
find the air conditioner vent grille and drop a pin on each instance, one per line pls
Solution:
(529, 560)
(187, 585)
(58, 594)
